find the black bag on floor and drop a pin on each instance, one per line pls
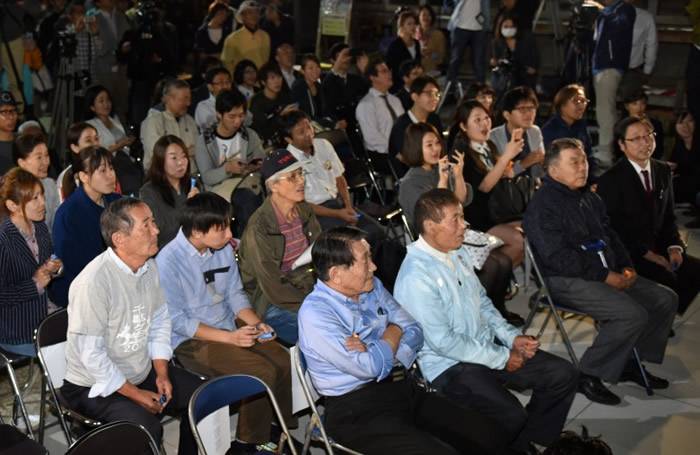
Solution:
(14, 442)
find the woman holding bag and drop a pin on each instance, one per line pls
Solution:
(484, 169)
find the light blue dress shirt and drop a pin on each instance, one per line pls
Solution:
(191, 301)
(327, 318)
(442, 292)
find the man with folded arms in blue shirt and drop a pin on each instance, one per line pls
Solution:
(471, 352)
(205, 297)
(351, 331)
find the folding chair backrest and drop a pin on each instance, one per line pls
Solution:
(50, 339)
(115, 438)
(311, 396)
(223, 391)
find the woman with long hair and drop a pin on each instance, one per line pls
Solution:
(26, 266)
(168, 185)
(76, 228)
(483, 169)
(31, 153)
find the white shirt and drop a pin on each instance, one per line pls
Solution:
(424, 246)
(205, 114)
(228, 148)
(467, 15)
(644, 41)
(288, 77)
(322, 169)
(375, 119)
(638, 169)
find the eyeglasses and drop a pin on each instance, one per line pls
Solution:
(643, 138)
(8, 112)
(432, 93)
(295, 176)
(526, 109)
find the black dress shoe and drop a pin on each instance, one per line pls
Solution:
(594, 390)
(514, 319)
(634, 375)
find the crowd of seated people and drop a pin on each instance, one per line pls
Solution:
(134, 235)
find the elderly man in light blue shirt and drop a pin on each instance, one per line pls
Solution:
(199, 276)
(352, 333)
(470, 351)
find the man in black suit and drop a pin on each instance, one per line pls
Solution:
(342, 90)
(638, 193)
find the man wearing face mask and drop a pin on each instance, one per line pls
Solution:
(248, 42)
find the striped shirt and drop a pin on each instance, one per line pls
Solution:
(295, 242)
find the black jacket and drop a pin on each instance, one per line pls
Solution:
(342, 95)
(396, 55)
(642, 223)
(558, 221)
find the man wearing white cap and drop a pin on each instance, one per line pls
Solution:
(248, 42)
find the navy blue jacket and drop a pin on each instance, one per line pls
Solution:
(558, 221)
(613, 37)
(21, 306)
(77, 238)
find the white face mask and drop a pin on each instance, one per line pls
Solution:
(509, 32)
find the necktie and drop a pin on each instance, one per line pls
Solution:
(391, 109)
(647, 182)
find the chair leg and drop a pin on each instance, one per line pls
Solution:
(565, 336)
(638, 361)
(307, 437)
(18, 400)
(544, 324)
(42, 410)
(531, 316)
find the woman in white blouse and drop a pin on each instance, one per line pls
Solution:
(98, 113)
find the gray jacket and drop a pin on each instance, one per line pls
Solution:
(207, 154)
(534, 140)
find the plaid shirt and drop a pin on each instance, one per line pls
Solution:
(89, 46)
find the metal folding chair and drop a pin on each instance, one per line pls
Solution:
(544, 299)
(115, 438)
(227, 390)
(314, 430)
(50, 340)
(6, 361)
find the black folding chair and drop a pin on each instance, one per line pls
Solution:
(50, 340)
(224, 391)
(7, 359)
(543, 299)
(115, 438)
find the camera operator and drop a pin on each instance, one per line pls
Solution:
(109, 72)
(611, 58)
(16, 19)
(150, 52)
(78, 42)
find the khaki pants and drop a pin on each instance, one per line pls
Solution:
(606, 83)
(17, 50)
(226, 187)
(269, 362)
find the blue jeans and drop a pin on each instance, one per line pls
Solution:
(462, 38)
(27, 350)
(284, 322)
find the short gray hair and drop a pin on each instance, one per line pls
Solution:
(116, 217)
(557, 146)
(173, 84)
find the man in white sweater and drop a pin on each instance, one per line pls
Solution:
(118, 341)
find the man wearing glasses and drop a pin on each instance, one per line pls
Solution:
(519, 111)
(278, 233)
(638, 194)
(587, 268)
(8, 122)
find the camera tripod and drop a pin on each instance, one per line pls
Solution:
(63, 108)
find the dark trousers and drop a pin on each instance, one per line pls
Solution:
(267, 361)
(693, 87)
(374, 230)
(640, 316)
(461, 39)
(398, 417)
(495, 278)
(685, 281)
(552, 379)
(118, 407)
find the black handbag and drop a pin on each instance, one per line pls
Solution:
(509, 198)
